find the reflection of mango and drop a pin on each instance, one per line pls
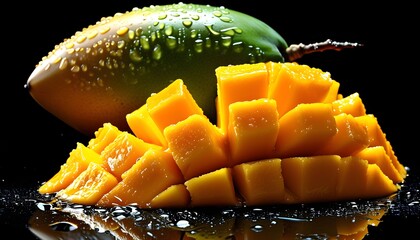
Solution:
(284, 135)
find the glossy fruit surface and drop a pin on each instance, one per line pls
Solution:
(110, 68)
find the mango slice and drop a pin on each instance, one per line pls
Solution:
(284, 135)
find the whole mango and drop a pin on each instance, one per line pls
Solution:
(110, 68)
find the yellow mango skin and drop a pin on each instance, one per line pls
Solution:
(154, 172)
(103, 136)
(260, 182)
(351, 104)
(295, 83)
(143, 126)
(78, 160)
(312, 179)
(171, 105)
(212, 189)
(351, 137)
(89, 186)
(304, 129)
(236, 83)
(123, 152)
(252, 130)
(197, 146)
(175, 196)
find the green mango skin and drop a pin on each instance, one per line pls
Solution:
(109, 69)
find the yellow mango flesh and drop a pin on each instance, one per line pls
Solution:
(197, 146)
(252, 130)
(123, 152)
(171, 105)
(175, 196)
(304, 129)
(284, 136)
(260, 182)
(89, 186)
(154, 172)
(351, 137)
(295, 84)
(144, 127)
(78, 160)
(239, 83)
(312, 179)
(351, 104)
(212, 189)
(103, 137)
(377, 155)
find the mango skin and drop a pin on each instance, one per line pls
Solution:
(109, 69)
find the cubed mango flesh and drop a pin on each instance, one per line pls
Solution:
(103, 136)
(351, 104)
(377, 155)
(304, 129)
(297, 83)
(351, 137)
(89, 186)
(175, 196)
(252, 130)
(260, 182)
(172, 104)
(78, 160)
(197, 146)
(312, 179)
(124, 151)
(212, 189)
(284, 135)
(239, 83)
(143, 126)
(154, 172)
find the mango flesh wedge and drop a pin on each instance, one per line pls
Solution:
(284, 135)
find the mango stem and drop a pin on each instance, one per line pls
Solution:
(296, 51)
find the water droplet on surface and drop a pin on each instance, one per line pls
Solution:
(183, 224)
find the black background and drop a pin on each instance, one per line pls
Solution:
(384, 72)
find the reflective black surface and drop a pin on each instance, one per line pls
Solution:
(35, 143)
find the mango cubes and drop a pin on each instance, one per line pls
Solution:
(284, 135)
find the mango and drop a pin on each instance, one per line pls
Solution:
(324, 147)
